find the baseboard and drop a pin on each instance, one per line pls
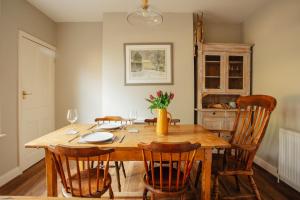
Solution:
(8, 176)
(267, 166)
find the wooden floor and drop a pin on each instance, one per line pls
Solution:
(32, 183)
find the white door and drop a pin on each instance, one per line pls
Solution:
(36, 96)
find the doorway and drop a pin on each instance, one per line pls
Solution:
(36, 95)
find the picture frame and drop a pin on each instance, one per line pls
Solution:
(148, 63)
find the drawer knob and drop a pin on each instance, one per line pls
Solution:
(214, 113)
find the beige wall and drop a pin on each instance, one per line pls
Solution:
(275, 31)
(222, 32)
(119, 99)
(78, 70)
(16, 15)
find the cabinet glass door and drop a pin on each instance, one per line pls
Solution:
(236, 72)
(212, 72)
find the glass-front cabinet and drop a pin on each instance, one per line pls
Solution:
(213, 70)
(225, 72)
(238, 73)
(223, 75)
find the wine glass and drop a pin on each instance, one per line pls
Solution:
(132, 116)
(72, 115)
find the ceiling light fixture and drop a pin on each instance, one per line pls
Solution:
(145, 15)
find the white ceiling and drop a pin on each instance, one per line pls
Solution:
(232, 11)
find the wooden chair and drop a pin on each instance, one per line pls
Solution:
(118, 165)
(249, 129)
(112, 119)
(154, 120)
(166, 181)
(91, 182)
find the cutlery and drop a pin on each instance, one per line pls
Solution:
(92, 127)
(122, 139)
(114, 139)
(73, 138)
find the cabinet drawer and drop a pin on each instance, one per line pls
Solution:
(214, 124)
(229, 123)
(218, 114)
(230, 114)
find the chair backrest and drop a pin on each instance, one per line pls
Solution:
(112, 119)
(154, 120)
(67, 163)
(166, 153)
(251, 123)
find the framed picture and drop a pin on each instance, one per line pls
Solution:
(148, 63)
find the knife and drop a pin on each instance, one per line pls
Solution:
(122, 139)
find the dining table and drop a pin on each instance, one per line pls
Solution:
(126, 147)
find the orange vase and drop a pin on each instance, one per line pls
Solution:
(162, 122)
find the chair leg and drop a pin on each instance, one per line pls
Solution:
(123, 168)
(182, 197)
(216, 188)
(152, 196)
(254, 187)
(111, 193)
(199, 169)
(145, 194)
(118, 175)
(237, 183)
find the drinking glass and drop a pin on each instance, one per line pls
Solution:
(132, 116)
(72, 115)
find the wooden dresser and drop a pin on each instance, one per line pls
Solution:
(223, 75)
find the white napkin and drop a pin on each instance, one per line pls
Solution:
(71, 132)
(133, 130)
(139, 121)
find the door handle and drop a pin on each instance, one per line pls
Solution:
(24, 94)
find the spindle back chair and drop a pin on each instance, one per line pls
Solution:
(154, 121)
(251, 122)
(164, 180)
(118, 165)
(112, 119)
(91, 182)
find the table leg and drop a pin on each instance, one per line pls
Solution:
(206, 174)
(51, 176)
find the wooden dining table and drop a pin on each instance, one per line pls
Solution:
(127, 149)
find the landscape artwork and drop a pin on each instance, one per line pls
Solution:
(148, 64)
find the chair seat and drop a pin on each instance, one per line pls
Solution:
(102, 188)
(165, 180)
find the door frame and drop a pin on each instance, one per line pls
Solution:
(24, 35)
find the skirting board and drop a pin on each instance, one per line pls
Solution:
(8, 176)
(267, 166)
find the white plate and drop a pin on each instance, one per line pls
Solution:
(109, 126)
(97, 137)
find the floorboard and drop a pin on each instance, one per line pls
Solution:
(32, 183)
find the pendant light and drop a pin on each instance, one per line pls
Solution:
(145, 15)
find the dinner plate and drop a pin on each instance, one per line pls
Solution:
(109, 126)
(97, 137)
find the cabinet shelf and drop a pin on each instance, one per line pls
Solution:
(235, 77)
(235, 62)
(210, 61)
(212, 76)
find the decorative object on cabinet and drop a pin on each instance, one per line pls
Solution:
(198, 28)
(223, 75)
(148, 63)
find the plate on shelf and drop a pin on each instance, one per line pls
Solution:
(97, 137)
